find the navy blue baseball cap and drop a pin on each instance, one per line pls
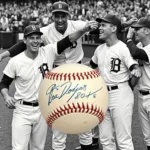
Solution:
(60, 7)
(142, 22)
(32, 29)
(110, 18)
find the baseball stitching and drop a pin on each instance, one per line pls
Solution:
(73, 76)
(72, 108)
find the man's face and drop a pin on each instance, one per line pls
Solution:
(139, 33)
(105, 30)
(60, 20)
(33, 42)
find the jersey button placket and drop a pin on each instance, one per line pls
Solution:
(35, 76)
(105, 67)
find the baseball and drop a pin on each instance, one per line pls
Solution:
(73, 98)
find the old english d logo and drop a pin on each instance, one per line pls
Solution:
(60, 6)
(33, 27)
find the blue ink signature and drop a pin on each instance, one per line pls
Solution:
(67, 88)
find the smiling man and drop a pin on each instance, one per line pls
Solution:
(60, 28)
(27, 70)
(141, 51)
(115, 64)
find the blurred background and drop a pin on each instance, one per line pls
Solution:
(15, 15)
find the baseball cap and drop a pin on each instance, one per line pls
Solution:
(110, 18)
(32, 29)
(142, 22)
(60, 7)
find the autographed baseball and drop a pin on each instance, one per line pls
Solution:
(73, 98)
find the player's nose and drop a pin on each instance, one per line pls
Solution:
(60, 19)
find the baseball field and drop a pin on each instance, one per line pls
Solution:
(72, 140)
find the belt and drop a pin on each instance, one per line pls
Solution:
(29, 103)
(54, 66)
(110, 88)
(144, 92)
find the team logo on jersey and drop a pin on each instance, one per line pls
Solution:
(44, 69)
(115, 65)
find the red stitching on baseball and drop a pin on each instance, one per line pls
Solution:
(72, 108)
(73, 76)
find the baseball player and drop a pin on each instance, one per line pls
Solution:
(95, 139)
(95, 131)
(74, 54)
(28, 69)
(142, 52)
(115, 64)
(51, 33)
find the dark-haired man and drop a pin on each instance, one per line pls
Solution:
(27, 70)
(141, 52)
(115, 64)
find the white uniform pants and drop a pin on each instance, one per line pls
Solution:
(59, 139)
(144, 115)
(28, 125)
(117, 122)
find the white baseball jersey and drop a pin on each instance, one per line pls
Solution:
(144, 100)
(113, 62)
(144, 81)
(72, 54)
(28, 73)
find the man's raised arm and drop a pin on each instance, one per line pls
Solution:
(13, 51)
(68, 41)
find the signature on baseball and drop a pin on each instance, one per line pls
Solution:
(74, 91)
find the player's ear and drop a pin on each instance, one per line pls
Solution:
(147, 31)
(114, 28)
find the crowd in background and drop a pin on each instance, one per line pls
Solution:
(14, 16)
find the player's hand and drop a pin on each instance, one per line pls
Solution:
(130, 33)
(10, 102)
(136, 72)
(90, 26)
(131, 21)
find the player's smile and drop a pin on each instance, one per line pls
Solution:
(35, 47)
(33, 42)
(61, 25)
(101, 33)
(60, 20)
(104, 30)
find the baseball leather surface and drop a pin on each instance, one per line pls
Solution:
(73, 98)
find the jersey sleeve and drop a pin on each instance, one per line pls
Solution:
(136, 51)
(10, 70)
(17, 48)
(128, 59)
(79, 24)
(51, 49)
(95, 56)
